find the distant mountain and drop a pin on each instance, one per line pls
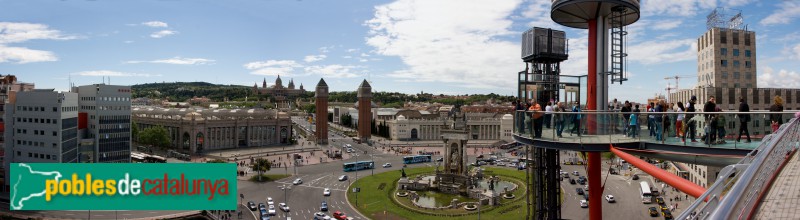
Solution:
(181, 91)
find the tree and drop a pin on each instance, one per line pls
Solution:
(310, 108)
(134, 130)
(261, 165)
(155, 136)
(347, 120)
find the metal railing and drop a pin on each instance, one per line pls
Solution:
(614, 127)
(735, 193)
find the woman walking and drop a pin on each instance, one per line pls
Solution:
(679, 120)
(777, 119)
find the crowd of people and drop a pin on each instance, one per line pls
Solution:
(683, 125)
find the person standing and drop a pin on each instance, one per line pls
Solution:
(548, 114)
(650, 117)
(536, 116)
(720, 123)
(691, 128)
(657, 120)
(777, 119)
(626, 110)
(679, 120)
(710, 107)
(576, 120)
(559, 118)
(632, 122)
(743, 119)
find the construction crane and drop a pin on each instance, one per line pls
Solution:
(676, 77)
(669, 89)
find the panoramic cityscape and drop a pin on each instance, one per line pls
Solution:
(399, 109)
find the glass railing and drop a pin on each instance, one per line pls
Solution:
(700, 129)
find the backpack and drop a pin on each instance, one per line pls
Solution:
(721, 121)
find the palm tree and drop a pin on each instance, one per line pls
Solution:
(261, 165)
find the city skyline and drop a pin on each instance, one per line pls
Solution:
(446, 47)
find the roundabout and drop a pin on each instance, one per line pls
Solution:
(380, 196)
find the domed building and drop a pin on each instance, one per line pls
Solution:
(281, 94)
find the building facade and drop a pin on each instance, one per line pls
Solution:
(9, 87)
(42, 127)
(282, 95)
(196, 130)
(482, 126)
(106, 109)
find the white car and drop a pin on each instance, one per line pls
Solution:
(512, 164)
(584, 203)
(326, 192)
(297, 181)
(610, 198)
(342, 177)
(387, 165)
(283, 207)
(586, 188)
(321, 216)
(270, 201)
(501, 164)
(271, 210)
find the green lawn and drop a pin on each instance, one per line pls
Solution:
(268, 177)
(372, 201)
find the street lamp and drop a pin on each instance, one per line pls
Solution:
(284, 187)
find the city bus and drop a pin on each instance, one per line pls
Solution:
(416, 159)
(644, 190)
(146, 158)
(359, 165)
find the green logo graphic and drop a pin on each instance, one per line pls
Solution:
(118, 186)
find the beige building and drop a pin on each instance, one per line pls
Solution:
(195, 130)
(281, 94)
(482, 126)
(726, 58)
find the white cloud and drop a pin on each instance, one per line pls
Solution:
(128, 41)
(347, 57)
(314, 58)
(364, 55)
(667, 25)
(271, 63)
(112, 73)
(363, 60)
(660, 52)
(782, 79)
(448, 41)
(326, 49)
(352, 50)
(156, 24)
(273, 67)
(786, 12)
(333, 71)
(11, 32)
(24, 55)
(676, 7)
(162, 33)
(538, 12)
(178, 60)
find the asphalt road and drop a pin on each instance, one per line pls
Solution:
(625, 190)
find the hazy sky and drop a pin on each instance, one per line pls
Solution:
(450, 47)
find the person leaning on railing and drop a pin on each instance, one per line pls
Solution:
(691, 128)
(743, 119)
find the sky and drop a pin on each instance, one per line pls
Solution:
(410, 46)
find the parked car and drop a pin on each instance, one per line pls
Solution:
(297, 181)
(660, 200)
(283, 207)
(252, 206)
(579, 191)
(342, 177)
(339, 215)
(270, 201)
(667, 214)
(572, 181)
(635, 177)
(653, 211)
(501, 164)
(584, 204)
(326, 192)
(610, 198)
(263, 212)
(262, 206)
(440, 159)
(387, 165)
(324, 206)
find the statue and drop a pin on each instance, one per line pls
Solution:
(403, 171)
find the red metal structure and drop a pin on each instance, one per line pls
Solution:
(679, 183)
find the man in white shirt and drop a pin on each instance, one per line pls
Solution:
(548, 115)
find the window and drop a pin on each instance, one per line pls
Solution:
(736, 75)
(747, 53)
(55, 109)
(736, 85)
(748, 64)
(723, 37)
(724, 85)
(724, 63)
(724, 75)
(736, 52)
(723, 51)
(748, 75)
(749, 85)
(736, 63)
(55, 133)
(735, 38)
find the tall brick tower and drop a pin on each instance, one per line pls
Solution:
(364, 111)
(321, 96)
